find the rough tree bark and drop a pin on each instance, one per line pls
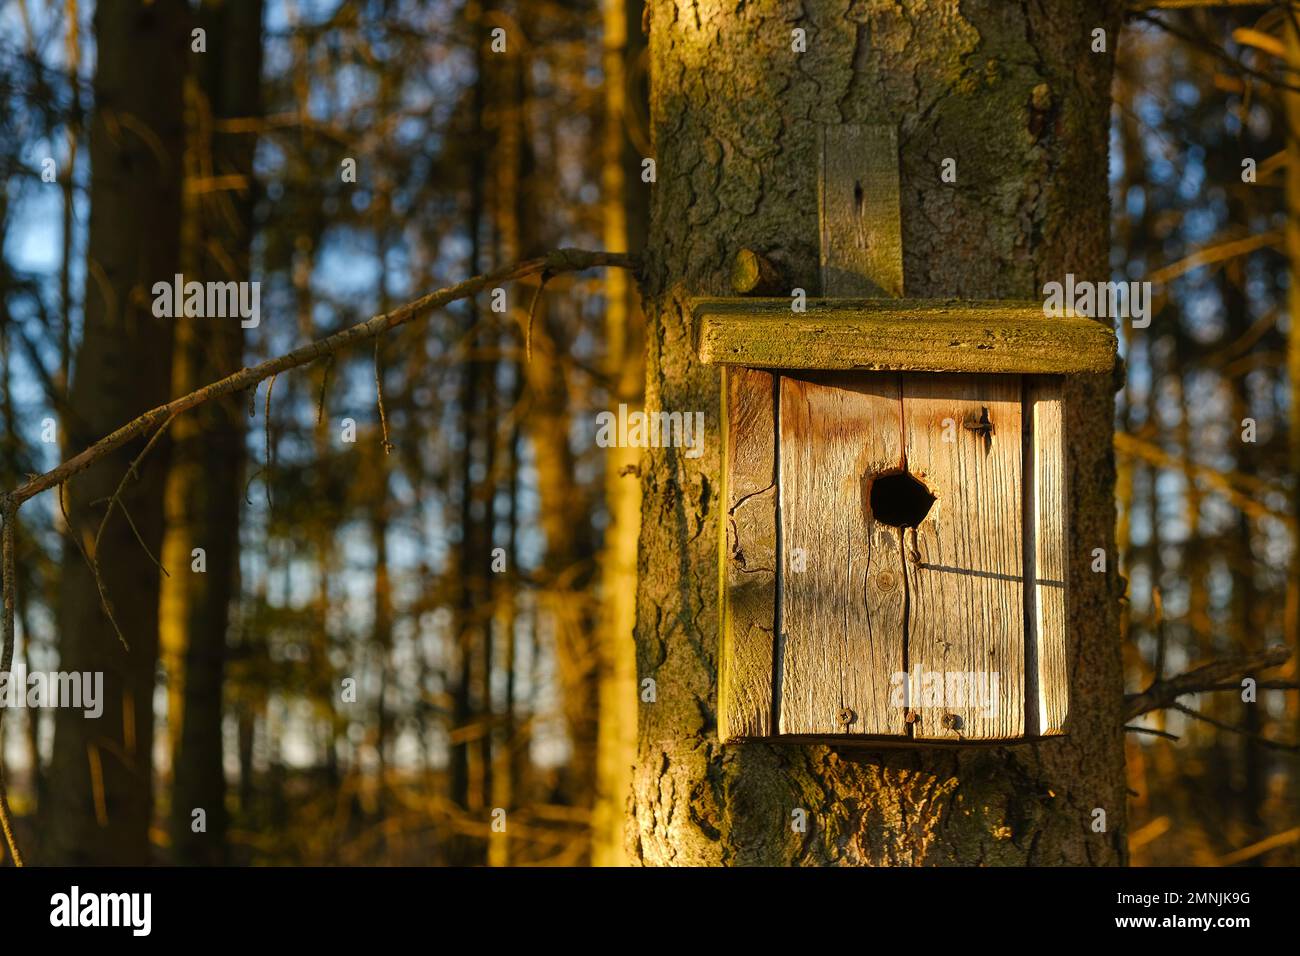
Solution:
(102, 808)
(1015, 94)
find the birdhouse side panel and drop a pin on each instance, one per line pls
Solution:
(748, 555)
(1046, 562)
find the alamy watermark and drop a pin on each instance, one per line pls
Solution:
(921, 689)
(1098, 300)
(77, 690)
(133, 911)
(640, 429)
(208, 300)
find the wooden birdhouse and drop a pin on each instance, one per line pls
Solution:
(894, 550)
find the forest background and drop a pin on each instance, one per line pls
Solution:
(432, 518)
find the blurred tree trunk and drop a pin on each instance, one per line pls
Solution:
(101, 795)
(1015, 94)
(465, 771)
(513, 227)
(1292, 127)
(1247, 630)
(379, 504)
(509, 747)
(205, 485)
(15, 463)
(626, 211)
(72, 14)
(565, 513)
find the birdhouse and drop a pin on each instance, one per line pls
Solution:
(894, 554)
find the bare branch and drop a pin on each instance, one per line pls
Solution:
(1260, 738)
(1285, 838)
(1152, 731)
(563, 260)
(1220, 251)
(1165, 693)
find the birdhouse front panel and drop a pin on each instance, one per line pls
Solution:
(893, 567)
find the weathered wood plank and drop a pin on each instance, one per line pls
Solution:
(910, 335)
(965, 562)
(841, 612)
(1046, 504)
(748, 554)
(859, 210)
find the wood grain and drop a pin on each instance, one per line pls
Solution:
(748, 555)
(1046, 513)
(966, 564)
(859, 211)
(842, 615)
(902, 335)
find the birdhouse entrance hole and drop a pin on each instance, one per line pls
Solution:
(900, 500)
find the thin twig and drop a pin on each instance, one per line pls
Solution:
(136, 531)
(324, 383)
(93, 564)
(266, 482)
(379, 393)
(1264, 741)
(1150, 730)
(532, 314)
(116, 498)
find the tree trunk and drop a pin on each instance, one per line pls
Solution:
(1292, 125)
(102, 808)
(206, 480)
(1014, 94)
(626, 203)
(471, 625)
